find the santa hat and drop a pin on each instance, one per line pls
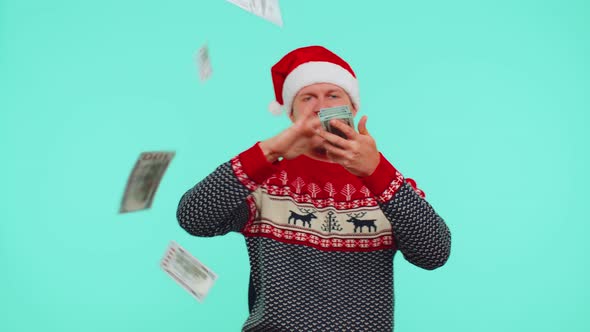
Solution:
(309, 65)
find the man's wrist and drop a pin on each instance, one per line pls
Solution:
(269, 152)
(373, 164)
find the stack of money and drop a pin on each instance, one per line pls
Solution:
(204, 63)
(341, 113)
(144, 180)
(267, 9)
(187, 271)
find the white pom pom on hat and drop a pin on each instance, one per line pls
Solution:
(275, 108)
(309, 65)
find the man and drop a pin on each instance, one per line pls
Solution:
(322, 215)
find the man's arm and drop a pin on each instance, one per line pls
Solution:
(420, 233)
(216, 205)
(224, 201)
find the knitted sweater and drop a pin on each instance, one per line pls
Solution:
(321, 241)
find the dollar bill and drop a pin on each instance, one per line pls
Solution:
(267, 9)
(187, 271)
(204, 63)
(341, 113)
(144, 180)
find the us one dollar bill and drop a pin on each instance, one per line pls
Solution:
(341, 113)
(144, 180)
(187, 271)
(204, 63)
(267, 9)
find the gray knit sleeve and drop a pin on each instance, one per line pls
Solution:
(216, 205)
(420, 233)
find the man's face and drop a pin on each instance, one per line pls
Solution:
(314, 97)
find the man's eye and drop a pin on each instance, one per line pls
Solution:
(308, 98)
(334, 96)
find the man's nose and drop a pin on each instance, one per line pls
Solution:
(322, 103)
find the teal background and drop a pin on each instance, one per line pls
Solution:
(484, 103)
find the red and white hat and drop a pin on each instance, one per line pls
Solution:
(309, 65)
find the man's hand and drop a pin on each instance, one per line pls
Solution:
(358, 154)
(301, 137)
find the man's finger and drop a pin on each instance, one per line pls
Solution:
(334, 152)
(305, 117)
(346, 129)
(362, 126)
(309, 122)
(333, 139)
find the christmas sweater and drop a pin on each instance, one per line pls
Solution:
(321, 241)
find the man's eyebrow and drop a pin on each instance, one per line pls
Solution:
(314, 93)
(306, 94)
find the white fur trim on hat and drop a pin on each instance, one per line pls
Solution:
(319, 72)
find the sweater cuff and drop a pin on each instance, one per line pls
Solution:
(385, 180)
(252, 168)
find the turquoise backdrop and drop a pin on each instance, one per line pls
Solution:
(485, 103)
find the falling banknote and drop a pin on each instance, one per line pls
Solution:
(204, 63)
(187, 271)
(144, 180)
(267, 9)
(341, 113)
